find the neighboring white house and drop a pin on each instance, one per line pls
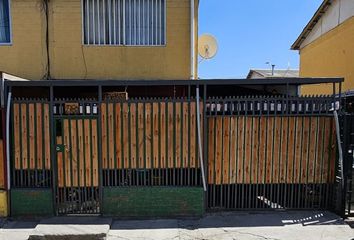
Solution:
(268, 73)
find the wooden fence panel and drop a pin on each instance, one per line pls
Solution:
(150, 135)
(31, 136)
(271, 150)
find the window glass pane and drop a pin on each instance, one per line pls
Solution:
(124, 22)
(4, 21)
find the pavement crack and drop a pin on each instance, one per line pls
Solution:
(250, 234)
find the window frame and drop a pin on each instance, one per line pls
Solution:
(10, 26)
(121, 45)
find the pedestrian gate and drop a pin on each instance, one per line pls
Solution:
(77, 165)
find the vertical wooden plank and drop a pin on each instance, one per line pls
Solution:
(319, 151)
(155, 137)
(211, 150)
(16, 134)
(226, 150)
(170, 135)
(193, 134)
(73, 149)
(240, 150)
(254, 150)
(87, 141)
(39, 139)
(219, 150)
(80, 137)
(269, 155)
(277, 144)
(125, 135)
(201, 108)
(298, 149)
(141, 140)
(333, 146)
(185, 147)
(148, 135)
(284, 147)
(32, 139)
(60, 167)
(67, 153)
(325, 148)
(312, 155)
(133, 135)
(178, 120)
(248, 149)
(24, 132)
(291, 146)
(262, 150)
(118, 135)
(110, 132)
(330, 150)
(233, 150)
(305, 150)
(47, 136)
(94, 153)
(104, 136)
(163, 134)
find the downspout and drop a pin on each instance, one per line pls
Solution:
(193, 77)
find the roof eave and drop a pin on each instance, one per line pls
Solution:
(311, 24)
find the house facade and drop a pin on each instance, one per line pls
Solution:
(98, 39)
(326, 46)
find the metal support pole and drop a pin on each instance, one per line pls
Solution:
(8, 138)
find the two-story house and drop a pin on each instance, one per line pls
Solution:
(98, 39)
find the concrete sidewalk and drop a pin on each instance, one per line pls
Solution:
(250, 226)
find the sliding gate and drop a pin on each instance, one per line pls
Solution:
(270, 153)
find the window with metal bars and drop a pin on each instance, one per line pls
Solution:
(124, 22)
(4, 22)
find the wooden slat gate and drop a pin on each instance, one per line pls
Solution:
(270, 153)
(77, 165)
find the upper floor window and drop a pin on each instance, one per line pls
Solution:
(4, 21)
(124, 22)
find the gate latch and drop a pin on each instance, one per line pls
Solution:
(60, 148)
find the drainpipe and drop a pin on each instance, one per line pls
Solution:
(193, 77)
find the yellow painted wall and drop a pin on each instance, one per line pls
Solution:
(70, 59)
(331, 55)
(3, 204)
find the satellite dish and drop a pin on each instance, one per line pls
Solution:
(207, 46)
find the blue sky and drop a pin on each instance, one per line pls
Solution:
(251, 33)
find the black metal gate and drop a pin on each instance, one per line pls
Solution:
(348, 150)
(270, 152)
(77, 162)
